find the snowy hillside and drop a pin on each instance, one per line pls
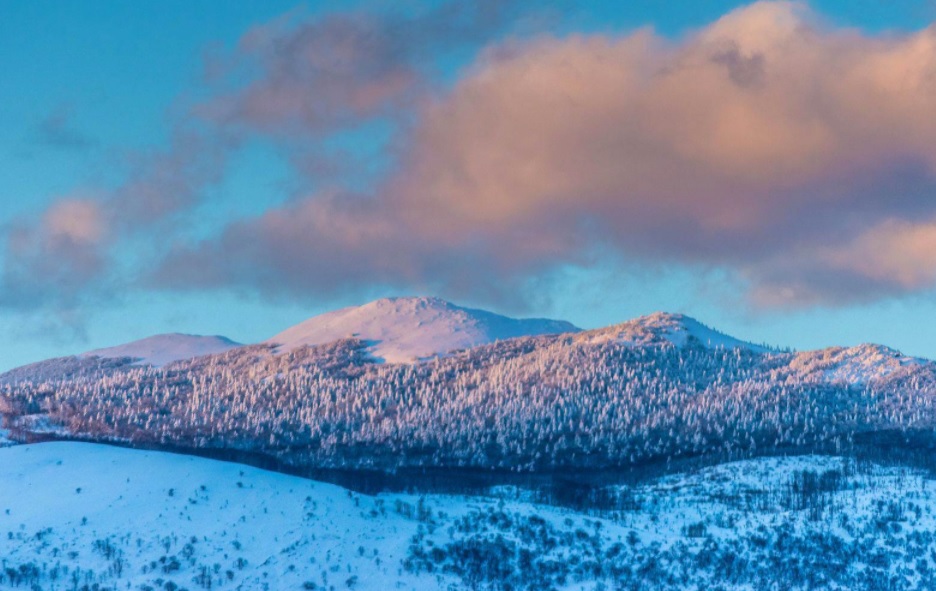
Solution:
(661, 327)
(85, 516)
(399, 330)
(158, 350)
(855, 365)
(118, 517)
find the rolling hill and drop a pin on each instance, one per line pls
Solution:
(159, 350)
(84, 516)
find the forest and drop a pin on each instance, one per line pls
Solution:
(524, 405)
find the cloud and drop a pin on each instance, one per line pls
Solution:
(73, 253)
(303, 81)
(161, 184)
(54, 261)
(762, 144)
(297, 82)
(892, 257)
(327, 246)
(797, 158)
(57, 130)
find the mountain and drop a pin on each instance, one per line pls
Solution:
(653, 388)
(536, 457)
(86, 516)
(664, 328)
(159, 350)
(399, 330)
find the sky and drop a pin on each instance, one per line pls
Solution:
(210, 167)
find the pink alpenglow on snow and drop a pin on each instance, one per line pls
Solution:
(159, 350)
(400, 330)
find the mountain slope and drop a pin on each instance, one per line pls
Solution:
(158, 350)
(855, 365)
(662, 328)
(399, 330)
(84, 516)
(132, 519)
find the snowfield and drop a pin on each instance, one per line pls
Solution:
(89, 516)
(132, 518)
(159, 350)
(401, 330)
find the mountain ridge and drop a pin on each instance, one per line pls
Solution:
(668, 327)
(413, 328)
(660, 386)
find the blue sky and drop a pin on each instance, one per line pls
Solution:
(95, 91)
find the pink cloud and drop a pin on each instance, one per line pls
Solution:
(762, 144)
(52, 261)
(295, 82)
(798, 157)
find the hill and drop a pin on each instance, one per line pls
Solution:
(399, 330)
(84, 516)
(649, 390)
(158, 350)
(663, 328)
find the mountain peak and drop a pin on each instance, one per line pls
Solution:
(667, 328)
(403, 329)
(160, 349)
(857, 365)
(410, 304)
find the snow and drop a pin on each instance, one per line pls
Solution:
(61, 502)
(726, 489)
(159, 350)
(135, 519)
(855, 365)
(151, 504)
(401, 330)
(662, 328)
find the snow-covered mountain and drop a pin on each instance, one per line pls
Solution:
(158, 350)
(664, 328)
(660, 386)
(592, 410)
(399, 330)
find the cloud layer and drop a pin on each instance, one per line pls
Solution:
(796, 156)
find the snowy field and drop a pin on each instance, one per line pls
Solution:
(76, 515)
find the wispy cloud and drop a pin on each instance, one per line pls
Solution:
(58, 130)
(298, 81)
(54, 261)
